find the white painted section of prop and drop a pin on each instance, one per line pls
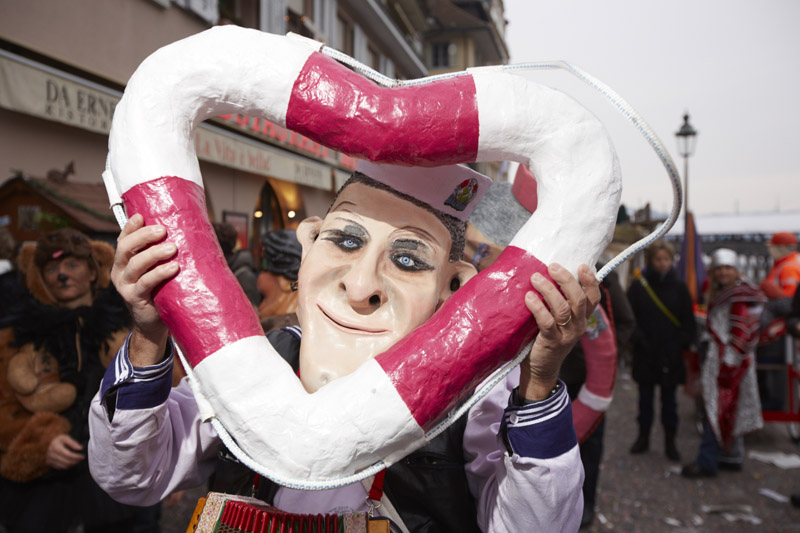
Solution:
(594, 401)
(571, 155)
(342, 428)
(188, 81)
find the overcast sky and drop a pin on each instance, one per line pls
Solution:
(734, 65)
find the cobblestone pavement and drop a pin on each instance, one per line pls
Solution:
(645, 493)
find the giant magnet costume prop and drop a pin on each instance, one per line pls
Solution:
(373, 417)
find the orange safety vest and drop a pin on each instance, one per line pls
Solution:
(784, 277)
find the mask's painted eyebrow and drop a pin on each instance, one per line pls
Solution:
(409, 244)
(354, 228)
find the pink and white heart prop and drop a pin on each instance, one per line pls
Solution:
(386, 409)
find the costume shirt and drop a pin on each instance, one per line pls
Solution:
(523, 465)
(730, 389)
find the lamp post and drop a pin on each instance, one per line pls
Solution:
(687, 137)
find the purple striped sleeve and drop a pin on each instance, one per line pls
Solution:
(540, 430)
(128, 387)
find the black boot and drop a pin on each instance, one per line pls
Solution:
(669, 445)
(642, 443)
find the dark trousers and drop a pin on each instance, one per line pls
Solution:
(669, 407)
(591, 455)
(711, 453)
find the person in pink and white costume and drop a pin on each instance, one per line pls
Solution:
(384, 258)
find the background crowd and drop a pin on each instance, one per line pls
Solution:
(61, 322)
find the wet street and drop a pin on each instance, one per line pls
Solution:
(645, 493)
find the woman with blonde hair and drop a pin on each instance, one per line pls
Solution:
(665, 327)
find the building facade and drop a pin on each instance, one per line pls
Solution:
(64, 66)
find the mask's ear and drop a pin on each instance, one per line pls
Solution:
(459, 273)
(307, 233)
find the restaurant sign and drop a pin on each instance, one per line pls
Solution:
(235, 152)
(27, 89)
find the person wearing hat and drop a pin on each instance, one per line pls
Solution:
(382, 260)
(240, 261)
(730, 390)
(277, 281)
(59, 340)
(782, 280)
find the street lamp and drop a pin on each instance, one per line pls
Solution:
(687, 138)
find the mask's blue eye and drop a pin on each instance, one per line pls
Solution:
(410, 263)
(344, 241)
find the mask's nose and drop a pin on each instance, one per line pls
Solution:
(363, 285)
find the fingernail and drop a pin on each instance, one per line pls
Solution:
(159, 230)
(538, 278)
(555, 267)
(170, 247)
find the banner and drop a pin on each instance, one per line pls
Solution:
(37, 92)
(259, 159)
(691, 268)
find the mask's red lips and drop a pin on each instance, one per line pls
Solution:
(351, 328)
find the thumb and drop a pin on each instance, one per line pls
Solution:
(73, 444)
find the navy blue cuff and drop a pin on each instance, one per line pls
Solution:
(128, 387)
(540, 430)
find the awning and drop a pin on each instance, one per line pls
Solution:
(42, 91)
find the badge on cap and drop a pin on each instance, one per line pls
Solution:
(463, 194)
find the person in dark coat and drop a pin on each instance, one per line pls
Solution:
(665, 327)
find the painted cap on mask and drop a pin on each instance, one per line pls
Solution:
(451, 189)
(723, 257)
(506, 207)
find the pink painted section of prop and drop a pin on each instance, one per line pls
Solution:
(525, 188)
(480, 327)
(338, 108)
(601, 375)
(204, 296)
(601, 364)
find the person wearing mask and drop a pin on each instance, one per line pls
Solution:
(665, 326)
(730, 390)
(376, 267)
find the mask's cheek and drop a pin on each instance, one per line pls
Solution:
(412, 305)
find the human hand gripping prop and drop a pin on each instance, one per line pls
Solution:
(394, 403)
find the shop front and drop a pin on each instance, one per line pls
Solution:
(258, 175)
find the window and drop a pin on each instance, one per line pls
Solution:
(440, 54)
(344, 36)
(374, 59)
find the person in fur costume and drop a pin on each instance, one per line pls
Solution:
(55, 346)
